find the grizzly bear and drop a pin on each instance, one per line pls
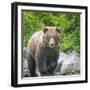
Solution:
(43, 51)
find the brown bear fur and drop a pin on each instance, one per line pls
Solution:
(43, 51)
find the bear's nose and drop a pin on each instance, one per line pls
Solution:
(52, 44)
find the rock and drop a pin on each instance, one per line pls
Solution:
(25, 68)
(69, 63)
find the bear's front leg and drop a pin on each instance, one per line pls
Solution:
(31, 65)
(41, 61)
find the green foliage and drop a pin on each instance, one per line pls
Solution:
(69, 23)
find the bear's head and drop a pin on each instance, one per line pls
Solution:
(51, 37)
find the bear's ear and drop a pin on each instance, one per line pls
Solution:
(58, 30)
(45, 30)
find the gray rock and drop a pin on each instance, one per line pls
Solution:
(69, 63)
(25, 72)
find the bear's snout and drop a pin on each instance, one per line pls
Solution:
(51, 43)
